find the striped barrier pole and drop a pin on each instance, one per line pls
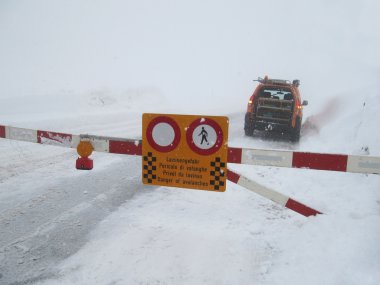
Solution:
(308, 160)
(99, 143)
(290, 159)
(334, 162)
(272, 195)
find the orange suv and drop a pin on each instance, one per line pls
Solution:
(275, 106)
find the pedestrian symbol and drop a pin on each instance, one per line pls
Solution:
(204, 135)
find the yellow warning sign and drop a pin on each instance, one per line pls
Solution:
(185, 151)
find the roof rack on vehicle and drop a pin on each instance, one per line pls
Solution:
(266, 80)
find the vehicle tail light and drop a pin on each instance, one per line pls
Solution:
(250, 103)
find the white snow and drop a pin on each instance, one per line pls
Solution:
(95, 66)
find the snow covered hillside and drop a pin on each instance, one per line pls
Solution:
(95, 66)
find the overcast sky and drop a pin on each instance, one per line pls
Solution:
(186, 49)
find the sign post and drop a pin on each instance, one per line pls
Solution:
(185, 151)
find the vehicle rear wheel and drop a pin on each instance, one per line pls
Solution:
(296, 131)
(248, 132)
(248, 126)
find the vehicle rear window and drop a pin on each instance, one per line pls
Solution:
(276, 93)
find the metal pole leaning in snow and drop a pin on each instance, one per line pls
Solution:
(272, 195)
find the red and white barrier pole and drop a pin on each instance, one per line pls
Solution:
(308, 160)
(99, 143)
(318, 161)
(272, 195)
(37, 136)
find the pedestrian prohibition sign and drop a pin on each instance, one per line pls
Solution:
(185, 151)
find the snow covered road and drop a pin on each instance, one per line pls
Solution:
(50, 210)
(51, 207)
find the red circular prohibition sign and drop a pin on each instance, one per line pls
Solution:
(173, 124)
(218, 131)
